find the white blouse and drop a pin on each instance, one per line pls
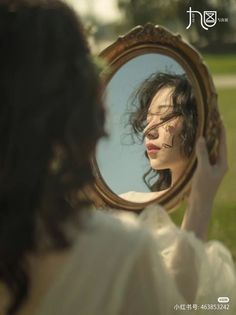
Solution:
(124, 264)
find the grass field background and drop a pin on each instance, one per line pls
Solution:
(221, 64)
(223, 224)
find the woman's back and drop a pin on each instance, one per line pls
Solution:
(109, 270)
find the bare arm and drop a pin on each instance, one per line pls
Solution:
(206, 181)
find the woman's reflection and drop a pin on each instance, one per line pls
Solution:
(166, 121)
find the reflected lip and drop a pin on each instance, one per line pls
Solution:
(152, 148)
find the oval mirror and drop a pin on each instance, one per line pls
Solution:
(160, 97)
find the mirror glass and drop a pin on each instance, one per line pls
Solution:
(123, 158)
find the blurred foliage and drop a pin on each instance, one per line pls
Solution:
(143, 11)
(173, 15)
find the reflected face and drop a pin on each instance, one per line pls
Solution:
(162, 132)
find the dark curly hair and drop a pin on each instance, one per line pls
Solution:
(51, 116)
(184, 104)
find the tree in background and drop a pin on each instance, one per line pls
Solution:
(173, 15)
(139, 12)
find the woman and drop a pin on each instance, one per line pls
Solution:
(166, 121)
(56, 255)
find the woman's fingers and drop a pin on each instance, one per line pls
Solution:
(203, 157)
(201, 152)
(222, 159)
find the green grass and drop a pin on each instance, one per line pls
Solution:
(221, 64)
(223, 224)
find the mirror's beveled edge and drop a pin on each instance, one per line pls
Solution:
(143, 38)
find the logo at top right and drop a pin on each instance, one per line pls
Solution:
(208, 19)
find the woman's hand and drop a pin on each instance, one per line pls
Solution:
(207, 177)
(206, 181)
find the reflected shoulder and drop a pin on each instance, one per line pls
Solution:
(135, 196)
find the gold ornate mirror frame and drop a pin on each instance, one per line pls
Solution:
(156, 39)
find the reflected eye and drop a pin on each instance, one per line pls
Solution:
(161, 121)
(155, 121)
(169, 117)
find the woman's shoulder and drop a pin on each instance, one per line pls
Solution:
(100, 263)
(118, 224)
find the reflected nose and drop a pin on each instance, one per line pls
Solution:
(151, 132)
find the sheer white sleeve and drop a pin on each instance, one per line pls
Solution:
(206, 269)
